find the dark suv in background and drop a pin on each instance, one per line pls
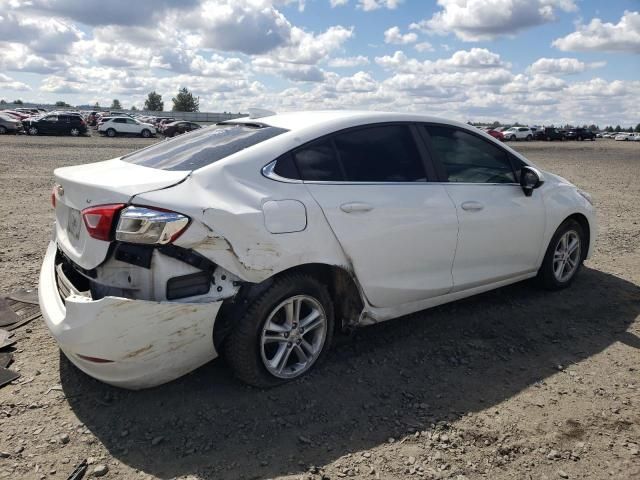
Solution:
(580, 134)
(56, 124)
(550, 133)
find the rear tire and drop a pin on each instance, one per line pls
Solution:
(32, 131)
(268, 344)
(74, 132)
(111, 133)
(3, 129)
(563, 259)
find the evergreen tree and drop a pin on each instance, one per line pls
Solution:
(115, 105)
(185, 101)
(154, 102)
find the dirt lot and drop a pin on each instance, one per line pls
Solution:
(516, 383)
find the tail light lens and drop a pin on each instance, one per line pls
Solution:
(150, 226)
(53, 196)
(99, 220)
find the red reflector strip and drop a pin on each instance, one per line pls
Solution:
(94, 359)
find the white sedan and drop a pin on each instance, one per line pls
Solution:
(126, 126)
(260, 237)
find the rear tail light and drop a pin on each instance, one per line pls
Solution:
(53, 196)
(150, 226)
(99, 220)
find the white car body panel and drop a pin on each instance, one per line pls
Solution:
(401, 249)
(416, 247)
(501, 233)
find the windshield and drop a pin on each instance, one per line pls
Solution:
(201, 147)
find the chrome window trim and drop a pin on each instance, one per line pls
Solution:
(268, 172)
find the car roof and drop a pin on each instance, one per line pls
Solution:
(303, 120)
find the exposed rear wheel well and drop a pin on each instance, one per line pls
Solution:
(340, 283)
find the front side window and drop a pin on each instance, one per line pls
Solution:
(467, 158)
(385, 153)
(201, 148)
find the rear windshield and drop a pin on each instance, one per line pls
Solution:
(201, 147)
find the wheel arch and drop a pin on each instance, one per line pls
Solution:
(586, 228)
(341, 283)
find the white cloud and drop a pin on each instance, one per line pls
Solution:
(475, 20)
(338, 3)
(597, 35)
(561, 66)
(9, 83)
(44, 36)
(369, 5)
(348, 62)
(423, 47)
(395, 37)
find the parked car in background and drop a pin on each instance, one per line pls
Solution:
(55, 124)
(495, 134)
(159, 120)
(15, 114)
(580, 134)
(125, 126)
(518, 133)
(636, 137)
(262, 236)
(550, 133)
(623, 137)
(177, 128)
(9, 124)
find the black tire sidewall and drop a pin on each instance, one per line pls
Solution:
(545, 274)
(242, 348)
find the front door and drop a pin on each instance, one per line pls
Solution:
(501, 229)
(398, 230)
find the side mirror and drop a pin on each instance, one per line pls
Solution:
(530, 179)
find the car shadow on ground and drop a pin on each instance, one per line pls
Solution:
(385, 381)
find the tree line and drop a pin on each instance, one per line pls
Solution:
(184, 101)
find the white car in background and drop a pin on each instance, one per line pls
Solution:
(126, 126)
(623, 137)
(260, 237)
(518, 133)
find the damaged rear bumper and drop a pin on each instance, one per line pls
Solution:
(123, 342)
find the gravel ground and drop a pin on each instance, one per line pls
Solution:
(513, 384)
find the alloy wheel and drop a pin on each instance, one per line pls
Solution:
(75, 132)
(293, 336)
(566, 256)
(33, 131)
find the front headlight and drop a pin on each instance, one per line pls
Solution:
(150, 226)
(586, 195)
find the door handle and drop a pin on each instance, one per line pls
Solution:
(472, 206)
(355, 207)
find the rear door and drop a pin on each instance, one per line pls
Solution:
(398, 230)
(501, 229)
(48, 124)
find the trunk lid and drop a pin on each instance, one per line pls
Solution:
(109, 182)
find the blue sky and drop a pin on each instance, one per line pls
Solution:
(534, 61)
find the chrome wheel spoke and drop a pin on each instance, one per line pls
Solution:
(302, 356)
(274, 327)
(270, 338)
(311, 321)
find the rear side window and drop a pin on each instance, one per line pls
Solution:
(470, 159)
(317, 161)
(201, 147)
(385, 153)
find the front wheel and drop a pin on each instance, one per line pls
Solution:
(283, 333)
(529, 138)
(564, 256)
(3, 129)
(145, 133)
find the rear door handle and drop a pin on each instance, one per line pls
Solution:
(352, 207)
(472, 206)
